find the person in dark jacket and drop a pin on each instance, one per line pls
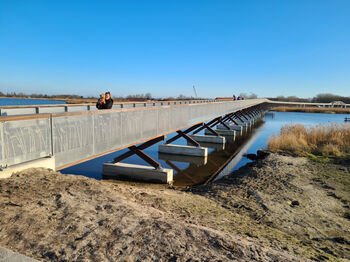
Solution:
(108, 101)
(101, 101)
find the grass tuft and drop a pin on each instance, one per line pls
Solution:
(331, 140)
(332, 110)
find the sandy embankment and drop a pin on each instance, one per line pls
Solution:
(277, 209)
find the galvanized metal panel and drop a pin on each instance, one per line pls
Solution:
(131, 126)
(18, 111)
(26, 140)
(107, 132)
(163, 120)
(150, 123)
(49, 110)
(73, 138)
(77, 108)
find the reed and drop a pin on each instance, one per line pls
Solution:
(332, 140)
(332, 110)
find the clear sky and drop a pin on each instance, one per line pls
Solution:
(222, 47)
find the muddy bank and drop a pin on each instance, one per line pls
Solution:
(277, 209)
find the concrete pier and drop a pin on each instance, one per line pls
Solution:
(246, 125)
(223, 132)
(46, 162)
(215, 146)
(137, 172)
(208, 139)
(197, 160)
(237, 128)
(183, 150)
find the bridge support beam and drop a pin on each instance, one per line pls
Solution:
(138, 151)
(194, 150)
(224, 132)
(183, 150)
(237, 128)
(137, 172)
(154, 173)
(208, 139)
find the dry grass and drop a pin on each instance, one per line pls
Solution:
(322, 140)
(312, 109)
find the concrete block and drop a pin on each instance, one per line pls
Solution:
(214, 145)
(183, 150)
(46, 162)
(246, 125)
(237, 128)
(208, 139)
(224, 132)
(137, 172)
(197, 160)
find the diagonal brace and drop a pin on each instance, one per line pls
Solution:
(237, 116)
(241, 113)
(224, 124)
(181, 133)
(138, 151)
(189, 139)
(230, 118)
(211, 124)
(211, 130)
(145, 157)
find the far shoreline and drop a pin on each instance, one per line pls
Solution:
(325, 110)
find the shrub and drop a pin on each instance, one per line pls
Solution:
(323, 140)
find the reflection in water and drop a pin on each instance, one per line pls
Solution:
(232, 162)
(217, 160)
(197, 160)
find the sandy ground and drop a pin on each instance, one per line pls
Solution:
(277, 209)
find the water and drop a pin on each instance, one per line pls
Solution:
(273, 122)
(221, 161)
(21, 102)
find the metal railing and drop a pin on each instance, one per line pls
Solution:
(64, 108)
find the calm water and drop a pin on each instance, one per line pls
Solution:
(222, 160)
(21, 102)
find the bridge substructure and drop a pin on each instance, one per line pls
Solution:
(59, 140)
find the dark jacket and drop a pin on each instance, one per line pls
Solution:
(99, 104)
(108, 104)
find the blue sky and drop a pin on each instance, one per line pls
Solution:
(270, 48)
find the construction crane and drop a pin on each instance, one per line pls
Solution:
(195, 93)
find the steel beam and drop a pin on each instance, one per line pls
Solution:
(138, 151)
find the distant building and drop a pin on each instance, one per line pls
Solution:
(338, 104)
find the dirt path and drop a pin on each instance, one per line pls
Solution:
(277, 209)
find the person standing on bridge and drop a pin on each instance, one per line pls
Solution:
(109, 101)
(101, 102)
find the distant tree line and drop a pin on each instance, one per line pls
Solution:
(22, 95)
(136, 97)
(320, 98)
